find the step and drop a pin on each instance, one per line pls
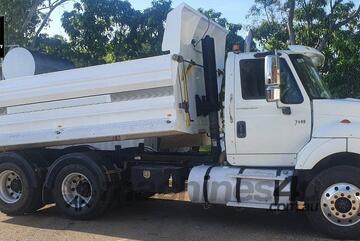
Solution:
(244, 176)
(255, 205)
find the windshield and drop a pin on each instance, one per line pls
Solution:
(310, 77)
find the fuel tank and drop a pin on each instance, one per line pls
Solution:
(238, 186)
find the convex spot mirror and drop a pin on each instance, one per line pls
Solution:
(272, 78)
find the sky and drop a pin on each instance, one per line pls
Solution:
(234, 10)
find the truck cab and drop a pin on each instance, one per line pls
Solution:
(263, 132)
(289, 144)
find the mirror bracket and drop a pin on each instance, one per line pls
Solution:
(286, 110)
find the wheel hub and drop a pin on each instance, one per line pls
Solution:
(84, 189)
(76, 190)
(340, 204)
(16, 185)
(10, 186)
(343, 205)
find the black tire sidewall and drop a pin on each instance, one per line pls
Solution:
(29, 196)
(97, 204)
(315, 189)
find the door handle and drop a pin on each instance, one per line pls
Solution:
(230, 109)
(241, 129)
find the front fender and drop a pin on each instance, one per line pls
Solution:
(337, 130)
(319, 148)
(354, 145)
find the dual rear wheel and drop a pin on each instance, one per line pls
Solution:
(19, 189)
(77, 187)
(78, 194)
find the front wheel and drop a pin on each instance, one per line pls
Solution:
(333, 202)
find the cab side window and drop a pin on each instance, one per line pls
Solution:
(252, 76)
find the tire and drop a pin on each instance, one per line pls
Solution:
(85, 200)
(333, 202)
(26, 198)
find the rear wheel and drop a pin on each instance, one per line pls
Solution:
(333, 200)
(77, 192)
(10, 186)
(18, 195)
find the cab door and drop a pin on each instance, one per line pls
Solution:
(265, 133)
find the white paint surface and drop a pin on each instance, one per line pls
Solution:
(76, 106)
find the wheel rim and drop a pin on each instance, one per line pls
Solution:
(340, 204)
(10, 186)
(76, 190)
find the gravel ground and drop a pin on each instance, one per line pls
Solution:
(161, 220)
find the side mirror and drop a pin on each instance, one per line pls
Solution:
(272, 78)
(272, 93)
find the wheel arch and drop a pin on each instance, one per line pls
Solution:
(304, 176)
(27, 162)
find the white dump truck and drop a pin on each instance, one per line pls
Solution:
(278, 140)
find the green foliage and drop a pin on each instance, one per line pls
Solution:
(330, 26)
(271, 35)
(343, 66)
(15, 12)
(58, 46)
(233, 36)
(104, 31)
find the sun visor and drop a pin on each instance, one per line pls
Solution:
(315, 55)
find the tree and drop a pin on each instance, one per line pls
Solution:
(331, 26)
(233, 36)
(290, 24)
(16, 13)
(25, 19)
(338, 18)
(50, 6)
(270, 28)
(104, 31)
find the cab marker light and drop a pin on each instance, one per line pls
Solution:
(345, 121)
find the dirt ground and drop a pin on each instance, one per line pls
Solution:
(156, 220)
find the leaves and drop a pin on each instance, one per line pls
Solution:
(25, 19)
(16, 12)
(104, 31)
(233, 36)
(330, 26)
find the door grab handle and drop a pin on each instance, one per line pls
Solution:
(241, 129)
(230, 109)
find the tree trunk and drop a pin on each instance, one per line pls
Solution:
(291, 22)
(332, 26)
(30, 15)
(45, 20)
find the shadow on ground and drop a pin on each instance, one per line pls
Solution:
(173, 220)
